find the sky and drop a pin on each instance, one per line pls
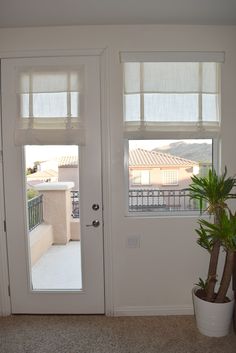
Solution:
(151, 144)
(43, 153)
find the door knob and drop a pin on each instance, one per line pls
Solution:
(95, 207)
(94, 223)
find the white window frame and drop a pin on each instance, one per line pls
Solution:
(169, 174)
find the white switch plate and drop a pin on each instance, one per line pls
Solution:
(133, 241)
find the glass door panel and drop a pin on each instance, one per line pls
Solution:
(54, 235)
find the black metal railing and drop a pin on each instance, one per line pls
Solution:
(150, 200)
(35, 211)
(75, 203)
(145, 200)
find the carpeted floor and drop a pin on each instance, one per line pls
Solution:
(100, 334)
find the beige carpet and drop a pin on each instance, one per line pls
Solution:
(100, 334)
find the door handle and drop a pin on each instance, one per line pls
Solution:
(94, 223)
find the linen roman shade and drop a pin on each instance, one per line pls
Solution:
(50, 106)
(171, 91)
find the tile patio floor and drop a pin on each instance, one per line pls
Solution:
(59, 268)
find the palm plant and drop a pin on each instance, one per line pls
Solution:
(214, 191)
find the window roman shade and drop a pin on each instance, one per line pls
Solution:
(172, 95)
(50, 106)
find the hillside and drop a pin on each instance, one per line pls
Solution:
(199, 152)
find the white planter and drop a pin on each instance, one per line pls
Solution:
(213, 319)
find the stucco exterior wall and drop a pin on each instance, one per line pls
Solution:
(69, 174)
(40, 240)
(156, 178)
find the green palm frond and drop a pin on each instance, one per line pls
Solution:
(205, 240)
(224, 230)
(213, 190)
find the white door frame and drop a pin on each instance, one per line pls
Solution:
(5, 303)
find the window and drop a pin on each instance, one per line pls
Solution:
(172, 97)
(170, 177)
(139, 177)
(170, 164)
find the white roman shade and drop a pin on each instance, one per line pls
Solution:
(50, 106)
(178, 96)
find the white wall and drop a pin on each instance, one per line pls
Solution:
(158, 276)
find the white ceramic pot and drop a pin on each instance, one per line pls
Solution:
(213, 319)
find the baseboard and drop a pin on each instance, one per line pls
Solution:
(153, 310)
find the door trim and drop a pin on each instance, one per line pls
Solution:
(106, 183)
(50, 52)
(5, 304)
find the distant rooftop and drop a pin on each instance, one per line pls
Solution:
(140, 157)
(67, 161)
(46, 174)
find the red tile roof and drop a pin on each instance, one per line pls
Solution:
(141, 157)
(67, 161)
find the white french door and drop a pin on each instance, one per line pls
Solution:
(28, 296)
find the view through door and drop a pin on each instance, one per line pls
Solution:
(52, 179)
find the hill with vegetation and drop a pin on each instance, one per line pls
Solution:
(199, 152)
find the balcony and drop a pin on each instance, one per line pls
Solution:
(153, 200)
(59, 268)
(35, 209)
(54, 237)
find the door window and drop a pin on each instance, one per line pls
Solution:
(52, 200)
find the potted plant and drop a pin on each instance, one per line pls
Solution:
(213, 308)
